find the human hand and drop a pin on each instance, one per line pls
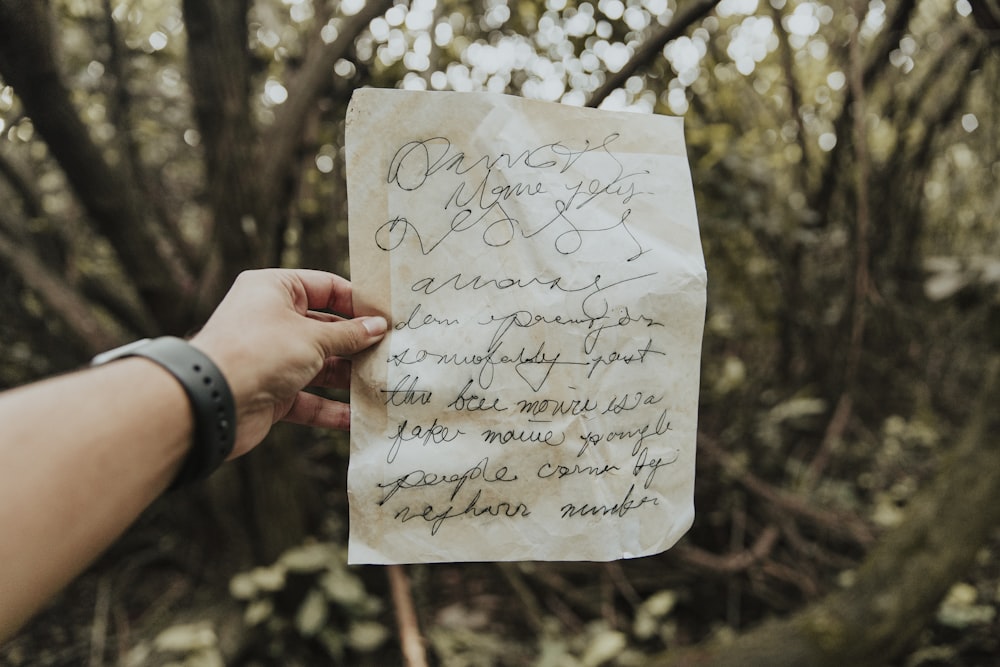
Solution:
(271, 340)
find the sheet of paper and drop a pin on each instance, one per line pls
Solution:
(541, 269)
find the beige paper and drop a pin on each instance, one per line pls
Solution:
(541, 269)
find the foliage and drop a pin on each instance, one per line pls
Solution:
(845, 156)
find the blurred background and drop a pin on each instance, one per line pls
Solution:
(846, 158)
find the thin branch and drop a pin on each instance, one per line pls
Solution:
(27, 62)
(99, 626)
(533, 611)
(862, 212)
(987, 17)
(794, 96)
(406, 617)
(831, 438)
(878, 62)
(651, 48)
(120, 113)
(836, 523)
(730, 563)
(59, 296)
(899, 586)
(621, 582)
(30, 198)
(219, 75)
(51, 248)
(279, 143)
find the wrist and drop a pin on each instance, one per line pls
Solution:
(208, 392)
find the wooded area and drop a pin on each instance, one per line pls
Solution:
(845, 157)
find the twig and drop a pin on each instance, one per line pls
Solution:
(838, 523)
(528, 600)
(807, 585)
(90, 330)
(99, 628)
(652, 47)
(564, 613)
(831, 438)
(862, 278)
(624, 586)
(731, 562)
(410, 641)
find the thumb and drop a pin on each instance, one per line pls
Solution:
(347, 337)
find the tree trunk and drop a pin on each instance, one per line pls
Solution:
(899, 586)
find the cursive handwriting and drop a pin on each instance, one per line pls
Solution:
(525, 319)
(417, 320)
(532, 367)
(421, 434)
(467, 401)
(406, 392)
(416, 479)
(436, 517)
(525, 368)
(619, 509)
(638, 433)
(561, 180)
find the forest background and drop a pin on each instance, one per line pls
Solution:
(845, 157)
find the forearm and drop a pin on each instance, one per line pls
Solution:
(81, 457)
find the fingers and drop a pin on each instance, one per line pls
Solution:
(312, 410)
(340, 339)
(335, 374)
(326, 291)
(320, 316)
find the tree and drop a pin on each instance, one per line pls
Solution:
(152, 151)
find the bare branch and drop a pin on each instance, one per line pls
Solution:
(406, 618)
(120, 113)
(106, 191)
(651, 48)
(30, 198)
(732, 562)
(899, 586)
(59, 296)
(219, 74)
(794, 96)
(278, 146)
(877, 62)
(836, 523)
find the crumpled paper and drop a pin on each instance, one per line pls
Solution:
(541, 269)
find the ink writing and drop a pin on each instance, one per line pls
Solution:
(532, 394)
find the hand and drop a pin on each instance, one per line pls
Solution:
(271, 340)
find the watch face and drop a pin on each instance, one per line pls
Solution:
(118, 352)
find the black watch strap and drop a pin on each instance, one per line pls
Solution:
(211, 400)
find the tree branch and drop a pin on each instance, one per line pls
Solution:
(27, 63)
(794, 96)
(732, 562)
(219, 75)
(652, 47)
(120, 113)
(406, 618)
(899, 586)
(836, 523)
(279, 143)
(877, 63)
(60, 297)
(30, 199)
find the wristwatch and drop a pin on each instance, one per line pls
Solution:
(211, 400)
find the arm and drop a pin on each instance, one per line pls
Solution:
(81, 456)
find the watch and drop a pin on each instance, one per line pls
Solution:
(212, 402)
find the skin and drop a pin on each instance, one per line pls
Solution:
(82, 455)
